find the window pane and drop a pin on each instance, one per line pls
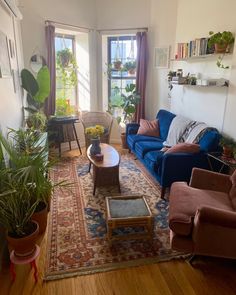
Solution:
(64, 91)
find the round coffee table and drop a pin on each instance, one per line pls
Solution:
(105, 172)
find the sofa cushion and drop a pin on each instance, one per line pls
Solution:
(153, 159)
(149, 128)
(142, 147)
(210, 141)
(133, 138)
(184, 202)
(165, 118)
(184, 148)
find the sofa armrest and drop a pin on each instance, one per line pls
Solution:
(209, 180)
(215, 216)
(178, 166)
(132, 128)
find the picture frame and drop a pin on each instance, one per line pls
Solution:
(162, 57)
(5, 66)
(12, 48)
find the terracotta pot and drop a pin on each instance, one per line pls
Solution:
(41, 217)
(131, 71)
(117, 64)
(123, 140)
(24, 246)
(227, 152)
(221, 48)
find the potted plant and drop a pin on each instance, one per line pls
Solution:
(117, 64)
(16, 209)
(127, 105)
(28, 152)
(221, 41)
(130, 66)
(37, 91)
(95, 132)
(228, 145)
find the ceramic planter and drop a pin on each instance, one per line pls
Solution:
(221, 48)
(24, 246)
(95, 148)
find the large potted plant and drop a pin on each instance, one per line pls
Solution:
(27, 151)
(38, 89)
(125, 104)
(17, 208)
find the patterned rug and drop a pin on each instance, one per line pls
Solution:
(77, 243)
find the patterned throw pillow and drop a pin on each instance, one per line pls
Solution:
(149, 128)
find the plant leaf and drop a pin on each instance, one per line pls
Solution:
(29, 83)
(43, 79)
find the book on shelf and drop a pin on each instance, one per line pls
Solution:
(196, 47)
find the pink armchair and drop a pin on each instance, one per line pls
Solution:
(202, 216)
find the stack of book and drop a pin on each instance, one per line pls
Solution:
(195, 47)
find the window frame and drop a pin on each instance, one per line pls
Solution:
(72, 38)
(109, 40)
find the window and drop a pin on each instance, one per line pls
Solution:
(122, 52)
(66, 74)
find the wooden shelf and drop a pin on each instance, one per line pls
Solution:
(199, 86)
(200, 57)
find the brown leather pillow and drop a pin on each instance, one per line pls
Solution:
(149, 128)
(184, 148)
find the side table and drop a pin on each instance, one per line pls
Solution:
(224, 161)
(63, 130)
(129, 211)
(24, 260)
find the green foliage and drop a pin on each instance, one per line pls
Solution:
(66, 66)
(130, 65)
(224, 38)
(37, 91)
(63, 108)
(126, 102)
(227, 141)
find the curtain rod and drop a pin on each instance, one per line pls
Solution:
(126, 29)
(67, 25)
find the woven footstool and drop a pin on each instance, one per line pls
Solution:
(128, 211)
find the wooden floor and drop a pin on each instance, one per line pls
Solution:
(207, 276)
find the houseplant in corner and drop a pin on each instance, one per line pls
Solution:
(37, 91)
(126, 103)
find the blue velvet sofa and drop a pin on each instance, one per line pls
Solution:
(169, 167)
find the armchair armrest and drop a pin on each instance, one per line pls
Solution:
(178, 166)
(209, 180)
(215, 216)
(132, 128)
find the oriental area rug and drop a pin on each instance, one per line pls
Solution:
(77, 242)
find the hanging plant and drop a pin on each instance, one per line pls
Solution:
(117, 64)
(67, 67)
(130, 67)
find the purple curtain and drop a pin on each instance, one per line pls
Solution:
(50, 103)
(141, 76)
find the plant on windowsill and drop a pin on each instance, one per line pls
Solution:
(221, 42)
(66, 66)
(130, 67)
(37, 91)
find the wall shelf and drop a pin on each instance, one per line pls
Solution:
(199, 57)
(200, 86)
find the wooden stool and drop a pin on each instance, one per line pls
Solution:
(129, 211)
(24, 260)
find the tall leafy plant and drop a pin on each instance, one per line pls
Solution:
(38, 89)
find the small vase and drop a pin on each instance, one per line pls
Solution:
(95, 148)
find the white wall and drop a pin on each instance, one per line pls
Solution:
(163, 15)
(206, 104)
(11, 101)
